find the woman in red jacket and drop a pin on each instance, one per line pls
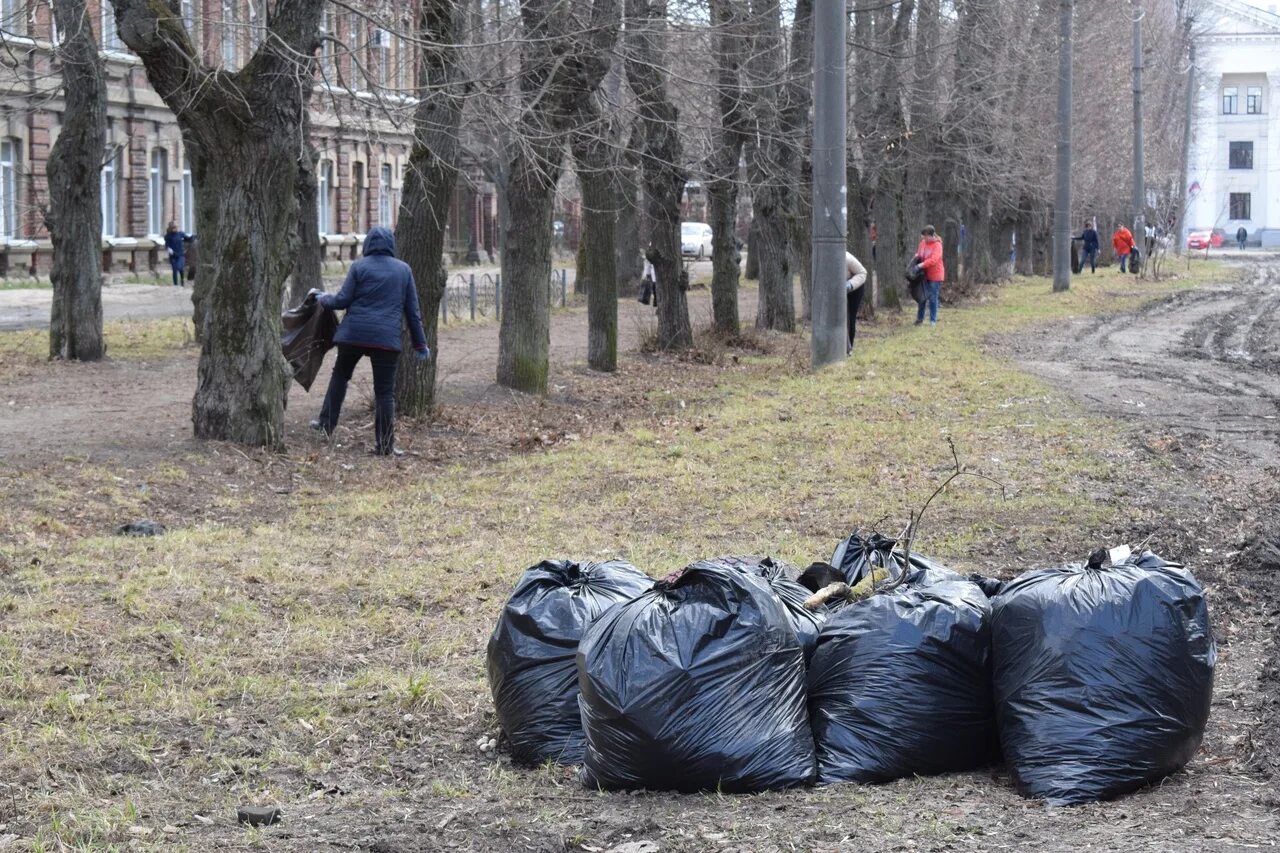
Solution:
(1122, 242)
(929, 257)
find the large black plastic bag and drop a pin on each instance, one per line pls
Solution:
(306, 334)
(900, 685)
(697, 685)
(1103, 676)
(857, 556)
(781, 578)
(531, 657)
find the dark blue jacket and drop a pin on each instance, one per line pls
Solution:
(176, 243)
(1090, 238)
(378, 292)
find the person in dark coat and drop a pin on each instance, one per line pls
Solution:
(1091, 244)
(175, 243)
(379, 295)
(1242, 235)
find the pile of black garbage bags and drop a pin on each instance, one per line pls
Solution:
(1087, 681)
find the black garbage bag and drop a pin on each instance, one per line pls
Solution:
(531, 656)
(697, 685)
(991, 587)
(858, 556)
(306, 334)
(781, 577)
(1103, 676)
(900, 685)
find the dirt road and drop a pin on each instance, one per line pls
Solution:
(1202, 364)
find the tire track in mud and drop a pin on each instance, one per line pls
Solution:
(1201, 369)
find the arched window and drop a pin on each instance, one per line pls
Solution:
(110, 36)
(157, 177)
(10, 161)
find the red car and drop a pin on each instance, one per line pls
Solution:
(1204, 239)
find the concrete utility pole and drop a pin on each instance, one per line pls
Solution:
(1139, 186)
(1180, 235)
(1062, 200)
(830, 194)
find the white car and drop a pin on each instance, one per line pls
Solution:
(695, 240)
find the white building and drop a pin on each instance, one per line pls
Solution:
(1234, 168)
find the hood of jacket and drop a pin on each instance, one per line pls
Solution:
(380, 241)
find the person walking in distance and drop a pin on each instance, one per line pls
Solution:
(1091, 244)
(1122, 242)
(929, 257)
(175, 243)
(855, 276)
(1241, 236)
(379, 295)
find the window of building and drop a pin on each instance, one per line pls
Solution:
(324, 198)
(326, 46)
(360, 194)
(229, 27)
(1241, 205)
(401, 60)
(384, 196)
(380, 56)
(13, 17)
(359, 57)
(110, 201)
(256, 28)
(1240, 155)
(110, 36)
(1253, 100)
(157, 177)
(189, 16)
(10, 161)
(1230, 100)
(188, 202)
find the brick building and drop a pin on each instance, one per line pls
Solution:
(360, 113)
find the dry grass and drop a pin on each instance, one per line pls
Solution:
(322, 648)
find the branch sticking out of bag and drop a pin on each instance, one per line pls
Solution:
(862, 589)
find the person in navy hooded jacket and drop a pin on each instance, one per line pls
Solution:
(378, 295)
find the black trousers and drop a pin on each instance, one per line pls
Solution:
(384, 392)
(855, 302)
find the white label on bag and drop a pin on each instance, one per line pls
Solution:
(1119, 554)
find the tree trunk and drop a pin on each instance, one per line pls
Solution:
(801, 231)
(307, 267)
(241, 131)
(664, 177)
(597, 252)
(561, 66)
(627, 239)
(75, 218)
(1062, 198)
(524, 336)
(428, 191)
(752, 272)
(722, 182)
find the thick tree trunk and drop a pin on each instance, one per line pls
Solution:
(801, 232)
(752, 272)
(307, 268)
(722, 166)
(776, 306)
(241, 131)
(627, 238)
(524, 336)
(563, 61)
(599, 259)
(75, 218)
(664, 176)
(428, 191)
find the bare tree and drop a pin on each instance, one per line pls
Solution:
(564, 56)
(664, 174)
(1062, 203)
(244, 132)
(594, 146)
(429, 186)
(730, 47)
(307, 266)
(75, 215)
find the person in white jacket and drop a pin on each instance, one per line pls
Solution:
(855, 277)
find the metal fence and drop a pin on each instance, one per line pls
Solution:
(468, 296)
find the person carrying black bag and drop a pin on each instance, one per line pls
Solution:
(379, 295)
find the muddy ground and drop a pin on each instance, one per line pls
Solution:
(1192, 380)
